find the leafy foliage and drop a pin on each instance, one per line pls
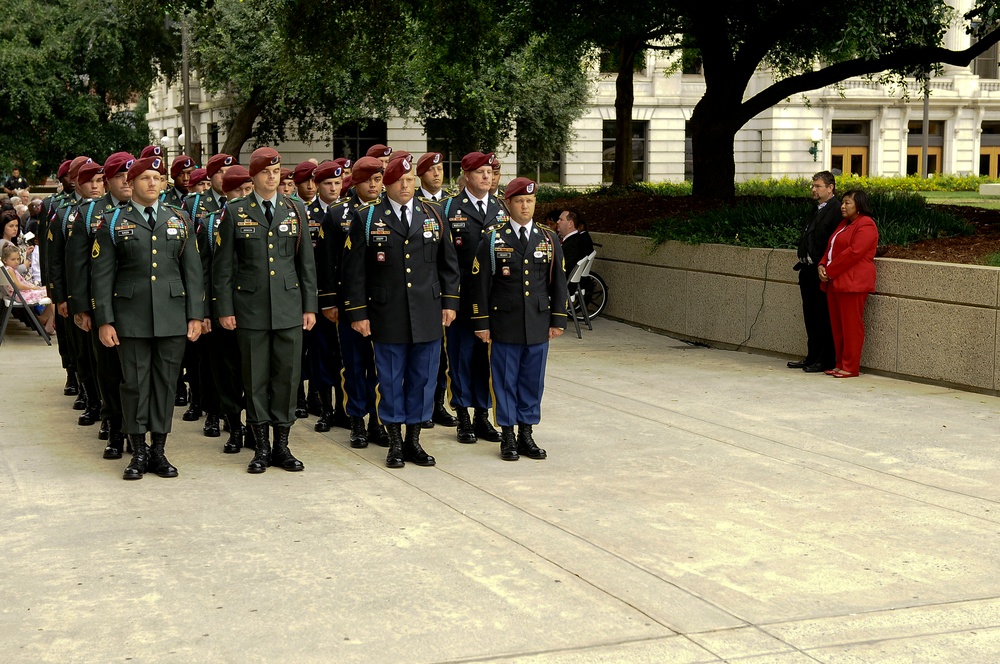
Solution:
(68, 68)
(776, 222)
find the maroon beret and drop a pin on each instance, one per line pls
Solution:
(74, 166)
(327, 170)
(364, 168)
(496, 164)
(140, 166)
(343, 162)
(348, 183)
(401, 154)
(261, 158)
(179, 163)
(116, 163)
(88, 172)
(151, 151)
(218, 161)
(235, 177)
(396, 169)
(519, 187)
(286, 173)
(303, 172)
(476, 160)
(427, 160)
(197, 175)
(64, 169)
(378, 150)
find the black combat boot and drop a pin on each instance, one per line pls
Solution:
(262, 454)
(91, 415)
(313, 403)
(411, 447)
(359, 437)
(81, 396)
(508, 444)
(140, 456)
(394, 458)
(71, 389)
(193, 413)
(441, 415)
(325, 420)
(211, 428)
(105, 431)
(116, 440)
(526, 444)
(466, 432)
(376, 432)
(235, 441)
(301, 410)
(281, 456)
(181, 396)
(484, 430)
(158, 463)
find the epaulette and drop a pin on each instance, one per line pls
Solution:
(238, 199)
(294, 197)
(544, 227)
(365, 206)
(424, 199)
(172, 206)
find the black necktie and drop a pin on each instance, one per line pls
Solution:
(482, 209)
(434, 198)
(524, 237)
(402, 218)
(222, 201)
(267, 212)
(150, 218)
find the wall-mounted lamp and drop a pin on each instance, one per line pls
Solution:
(815, 137)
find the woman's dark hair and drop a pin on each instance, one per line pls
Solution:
(860, 201)
(7, 216)
(553, 216)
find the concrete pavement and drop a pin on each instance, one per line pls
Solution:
(697, 505)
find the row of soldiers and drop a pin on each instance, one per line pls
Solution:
(382, 294)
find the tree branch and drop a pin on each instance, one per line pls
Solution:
(813, 80)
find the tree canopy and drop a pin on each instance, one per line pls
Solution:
(68, 71)
(804, 45)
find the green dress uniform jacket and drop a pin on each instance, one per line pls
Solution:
(519, 293)
(55, 238)
(399, 278)
(264, 273)
(173, 197)
(79, 242)
(147, 282)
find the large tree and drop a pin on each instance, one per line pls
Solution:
(70, 72)
(303, 70)
(804, 45)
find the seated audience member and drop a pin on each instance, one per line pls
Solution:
(11, 257)
(847, 273)
(576, 242)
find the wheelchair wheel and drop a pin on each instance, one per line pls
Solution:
(596, 295)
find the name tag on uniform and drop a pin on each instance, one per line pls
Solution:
(380, 237)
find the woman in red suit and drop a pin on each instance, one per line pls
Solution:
(848, 275)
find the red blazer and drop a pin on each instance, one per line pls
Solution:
(850, 257)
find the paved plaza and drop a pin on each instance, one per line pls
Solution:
(697, 505)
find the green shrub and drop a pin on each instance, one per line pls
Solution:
(785, 188)
(993, 260)
(901, 217)
(913, 183)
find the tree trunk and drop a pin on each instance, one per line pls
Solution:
(624, 100)
(713, 134)
(240, 127)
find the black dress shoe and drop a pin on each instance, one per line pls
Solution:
(89, 416)
(211, 428)
(192, 414)
(816, 367)
(105, 431)
(429, 424)
(799, 364)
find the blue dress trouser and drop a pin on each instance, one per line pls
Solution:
(517, 380)
(407, 376)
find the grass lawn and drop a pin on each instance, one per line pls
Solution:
(971, 198)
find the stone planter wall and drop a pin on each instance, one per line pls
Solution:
(929, 321)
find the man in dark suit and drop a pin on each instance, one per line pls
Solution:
(148, 296)
(264, 287)
(576, 241)
(401, 282)
(519, 304)
(815, 237)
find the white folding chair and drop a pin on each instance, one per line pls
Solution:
(581, 270)
(16, 300)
